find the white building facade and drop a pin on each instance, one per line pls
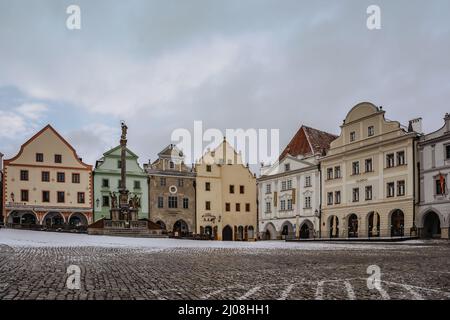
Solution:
(433, 213)
(289, 190)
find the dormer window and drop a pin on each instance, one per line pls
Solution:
(58, 158)
(39, 157)
(352, 136)
(371, 131)
(171, 165)
(287, 166)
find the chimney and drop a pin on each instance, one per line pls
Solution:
(447, 122)
(415, 125)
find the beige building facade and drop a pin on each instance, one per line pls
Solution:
(368, 178)
(46, 185)
(226, 196)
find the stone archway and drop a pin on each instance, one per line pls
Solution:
(161, 224)
(431, 225)
(397, 223)
(250, 232)
(78, 220)
(208, 232)
(333, 223)
(270, 232)
(352, 221)
(240, 233)
(227, 233)
(306, 229)
(287, 230)
(23, 218)
(53, 220)
(373, 224)
(181, 229)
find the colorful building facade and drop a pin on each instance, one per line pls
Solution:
(46, 185)
(289, 190)
(172, 193)
(107, 176)
(368, 178)
(433, 214)
(226, 196)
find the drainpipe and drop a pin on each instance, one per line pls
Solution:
(418, 183)
(320, 199)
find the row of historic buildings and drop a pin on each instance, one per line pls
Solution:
(376, 179)
(47, 186)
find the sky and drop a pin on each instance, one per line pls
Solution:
(265, 64)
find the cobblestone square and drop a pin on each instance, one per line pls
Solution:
(112, 268)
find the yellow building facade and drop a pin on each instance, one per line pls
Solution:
(368, 178)
(225, 196)
(46, 185)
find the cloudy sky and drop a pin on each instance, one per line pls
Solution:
(160, 65)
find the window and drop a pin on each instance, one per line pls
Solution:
(105, 183)
(180, 182)
(173, 202)
(61, 196)
(162, 182)
(58, 158)
(208, 168)
(308, 181)
(75, 178)
(45, 176)
(368, 192)
(81, 197)
(355, 194)
(308, 202)
(337, 197)
(440, 187)
(268, 188)
(352, 136)
(137, 184)
(119, 164)
(160, 202)
(247, 207)
(289, 204)
(283, 205)
(208, 205)
(208, 186)
(401, 188)
(369, 165)
(227, 207)
(289, 184)
(231, 188)
(24, 175)
(337, 172)
(447, 152)
(60, 177)
(171, 165)
(355, 168)
(330, 198)
(241, 189)
(45, 196)
(105, 201)
(238, 207)
(401, 158)
(283, 185)
(268, 207)
(370, 131)
(287, 167)
(330, 173)
(24, 195)
(390, 189)
(39, 157)
(390, 160)
(185, 203)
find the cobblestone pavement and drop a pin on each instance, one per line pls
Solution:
(408, 272)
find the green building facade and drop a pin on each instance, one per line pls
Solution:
(107, 179)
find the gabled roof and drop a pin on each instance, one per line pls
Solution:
(48, 127)
(132, 154)
(171, 151)
(307, 142)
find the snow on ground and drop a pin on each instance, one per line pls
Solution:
(25, 238)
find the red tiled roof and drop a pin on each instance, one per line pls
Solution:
(308, 141)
